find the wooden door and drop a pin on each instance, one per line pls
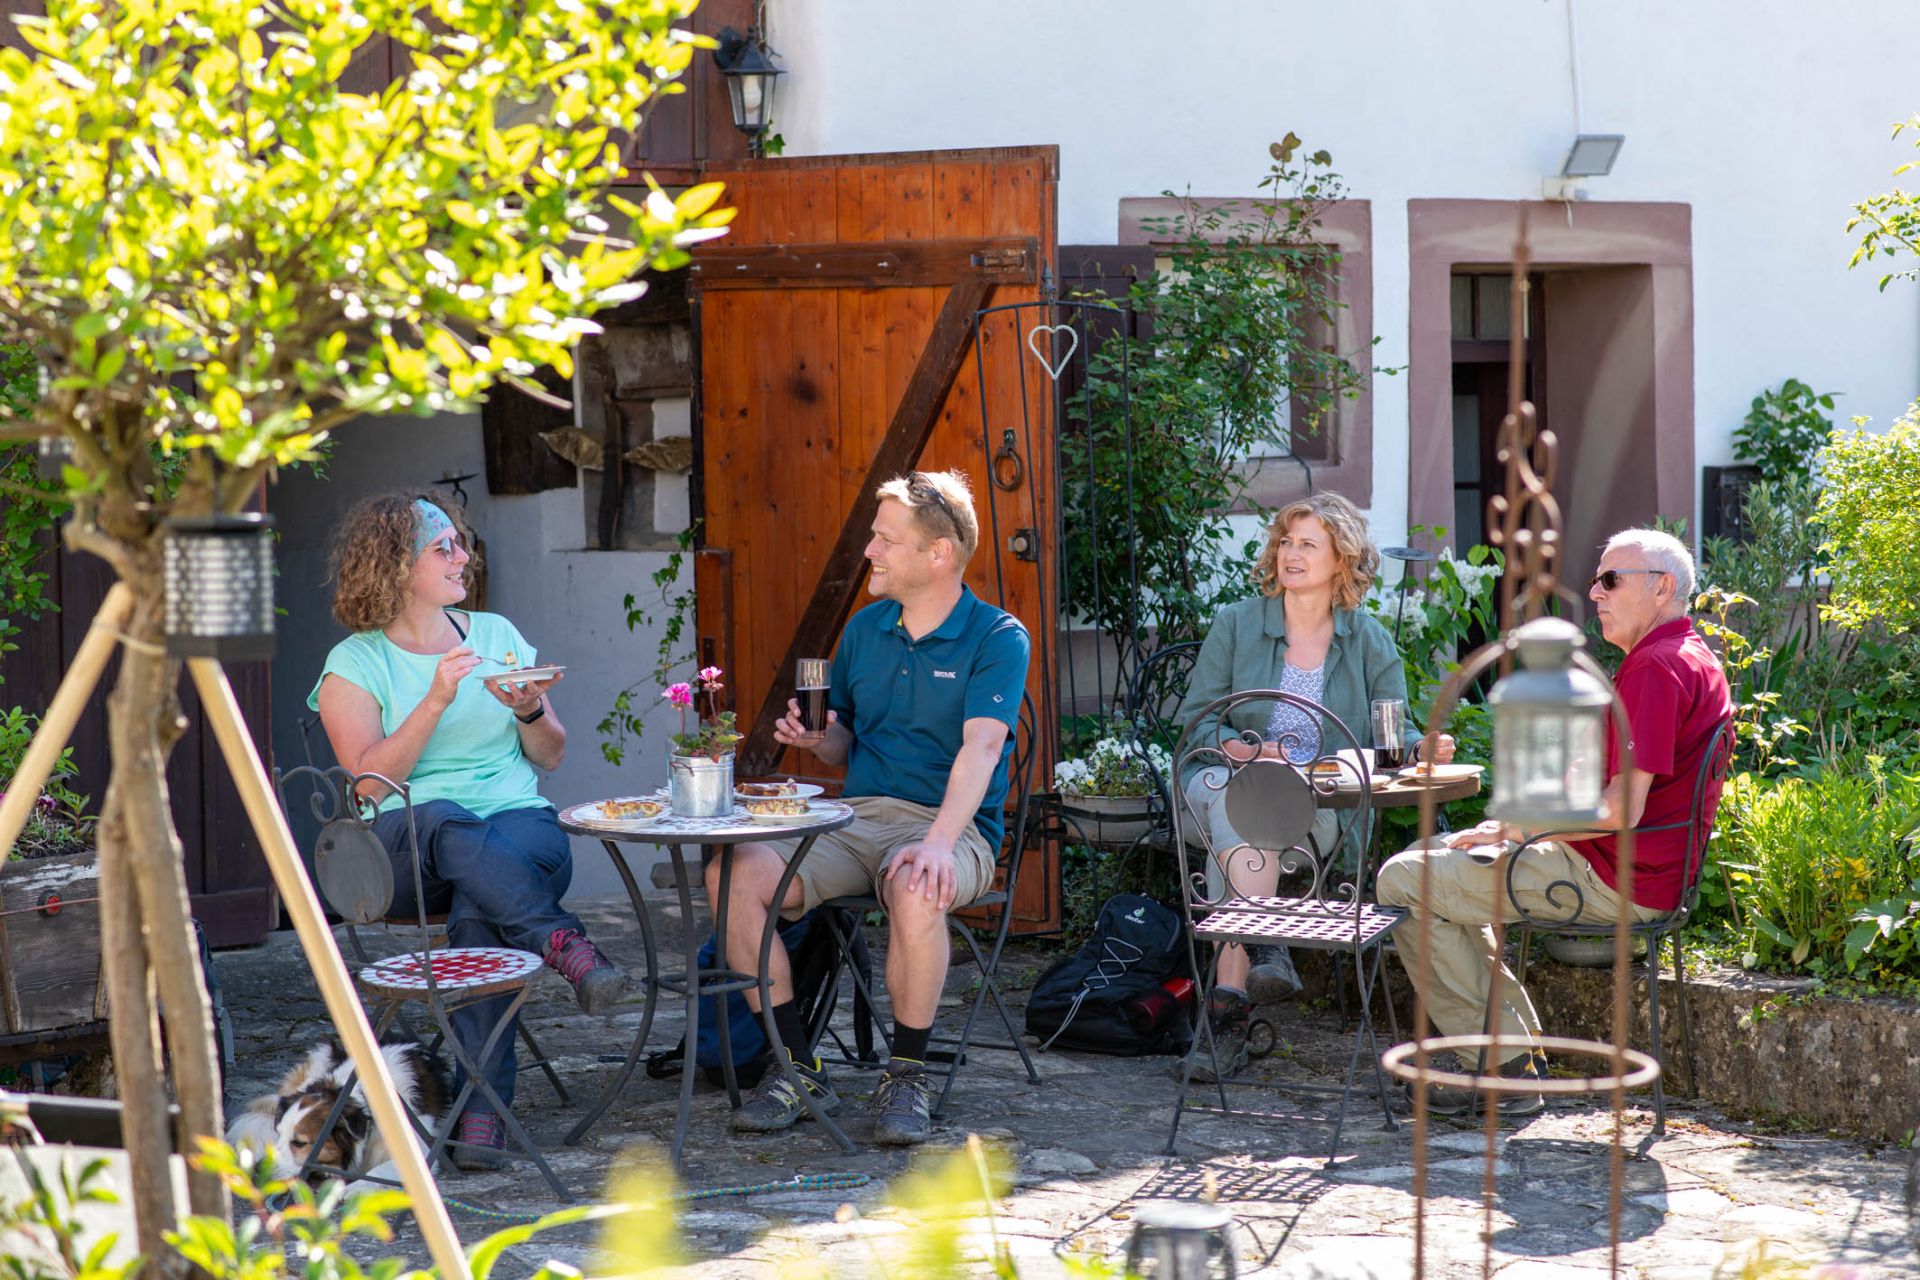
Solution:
(836, 349)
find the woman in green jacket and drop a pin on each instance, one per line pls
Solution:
(1305, 633)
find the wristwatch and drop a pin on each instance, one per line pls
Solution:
(537, 713)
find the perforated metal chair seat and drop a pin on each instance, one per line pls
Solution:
(1300, 922)
(470, 971)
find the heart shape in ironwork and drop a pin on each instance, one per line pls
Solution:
(1073, 344)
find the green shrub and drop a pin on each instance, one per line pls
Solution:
(1154, 455)
(58, 823)
(1869, 515)
(1803, 858)
(1783, 431)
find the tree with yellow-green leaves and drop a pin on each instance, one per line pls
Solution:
(218, 257)
(1869, 509)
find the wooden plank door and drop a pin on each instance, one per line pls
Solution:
(837, 348)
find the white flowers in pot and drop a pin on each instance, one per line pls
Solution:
(1113, 767)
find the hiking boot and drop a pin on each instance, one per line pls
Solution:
(1228, 1013)
(903, 1104)
(1272, 977)
(479, 1142)
(597, 981)
(1445, 1100)
(775, 1103)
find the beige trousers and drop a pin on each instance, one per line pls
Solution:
(1460, 914)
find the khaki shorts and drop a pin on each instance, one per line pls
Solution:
(849, 861)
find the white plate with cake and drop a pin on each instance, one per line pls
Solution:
(623, 811)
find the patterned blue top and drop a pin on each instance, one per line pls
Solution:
(1297, 730)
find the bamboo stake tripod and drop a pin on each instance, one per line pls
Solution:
(289, 877)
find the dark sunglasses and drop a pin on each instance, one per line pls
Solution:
(1610, 578)
(924, 490)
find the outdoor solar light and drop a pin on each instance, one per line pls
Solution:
(1181, 1240)
(751, 79)
(1592, 155)
(55, 454)
(1549, 734)
(1408, 557)
(219, 583)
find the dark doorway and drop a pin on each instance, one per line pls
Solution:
(1482, 353)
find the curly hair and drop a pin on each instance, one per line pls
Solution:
(372, 561)
(1352, 543)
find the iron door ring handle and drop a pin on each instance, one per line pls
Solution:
(1007, 454)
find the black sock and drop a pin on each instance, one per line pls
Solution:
(911, 1042)
(793, 1031)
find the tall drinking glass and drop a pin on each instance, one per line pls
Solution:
(810, 691)
(1390, 733)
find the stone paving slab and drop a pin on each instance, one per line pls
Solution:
(1087, 1146)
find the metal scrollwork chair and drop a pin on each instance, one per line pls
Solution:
(997, 903)
(1565, 898)
(354, 874)
(360, 891)
(1150, 711)
(1271, 804)
(1154, 698)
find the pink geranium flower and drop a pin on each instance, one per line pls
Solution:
(713, 732)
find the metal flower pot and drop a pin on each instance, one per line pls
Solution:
(700, 786)
(1111, 820)
(1590, 951)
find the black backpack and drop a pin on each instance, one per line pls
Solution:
(1081, 1001)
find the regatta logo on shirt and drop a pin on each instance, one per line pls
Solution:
(947, 675)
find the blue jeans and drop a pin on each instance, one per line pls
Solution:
(499, 880)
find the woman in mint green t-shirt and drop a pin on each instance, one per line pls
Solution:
(406, 696)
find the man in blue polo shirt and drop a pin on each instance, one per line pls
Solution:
(926, 691)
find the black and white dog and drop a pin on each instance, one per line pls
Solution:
(290, 1119)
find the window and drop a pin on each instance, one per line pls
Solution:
(1338, 457)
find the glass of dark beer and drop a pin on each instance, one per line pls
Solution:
(810, 691)
(1389, 734)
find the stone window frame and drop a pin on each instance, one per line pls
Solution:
(1342, 463)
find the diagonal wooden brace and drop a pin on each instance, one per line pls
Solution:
(839, 584)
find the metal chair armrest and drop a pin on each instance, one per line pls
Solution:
(1522, 916)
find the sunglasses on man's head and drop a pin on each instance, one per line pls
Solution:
(921, 486)
(1610, 578)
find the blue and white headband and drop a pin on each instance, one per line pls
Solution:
(429, 524)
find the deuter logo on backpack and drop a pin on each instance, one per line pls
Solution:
(1124, 991)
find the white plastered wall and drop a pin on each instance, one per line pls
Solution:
(1767, 117)
(565, 599)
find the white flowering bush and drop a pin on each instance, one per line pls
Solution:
(1113, 767)
(1437, 616)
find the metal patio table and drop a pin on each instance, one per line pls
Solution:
(1400, 793)
(716, 837)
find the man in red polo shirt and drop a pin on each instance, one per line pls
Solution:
(1676, 696)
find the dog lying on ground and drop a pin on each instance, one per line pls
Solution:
(290, 1119)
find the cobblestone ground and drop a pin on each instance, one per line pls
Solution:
(1087, 1145)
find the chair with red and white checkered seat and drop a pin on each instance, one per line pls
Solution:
(355, 876)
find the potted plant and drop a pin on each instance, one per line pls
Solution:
(49, 891)
(1112, 790)
(700, 769)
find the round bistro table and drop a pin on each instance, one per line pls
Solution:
(716, 838)
(1400, 793)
